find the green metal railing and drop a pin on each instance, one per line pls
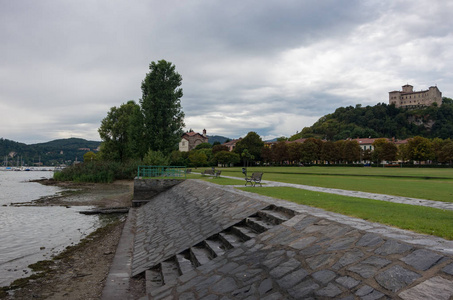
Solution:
(169, 172)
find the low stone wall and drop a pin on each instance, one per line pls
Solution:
(146, 189)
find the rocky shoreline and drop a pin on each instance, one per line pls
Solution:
(80, 271)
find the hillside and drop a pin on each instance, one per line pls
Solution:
(217, 138)
(383, 120)
(50, 153)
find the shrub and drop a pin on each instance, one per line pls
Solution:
(98, 171)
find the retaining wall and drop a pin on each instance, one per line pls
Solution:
(146, 189)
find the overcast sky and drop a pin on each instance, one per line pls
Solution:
(273, 67)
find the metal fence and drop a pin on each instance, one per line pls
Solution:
(169, 172)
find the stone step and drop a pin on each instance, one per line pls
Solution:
(274, 216)
(170, 270)
(184, 263)
(153, 279)
(199, 255)
(244, 232)
(215, 246)
(229, 239)
(257, 224)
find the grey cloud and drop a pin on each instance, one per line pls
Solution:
(253, 63)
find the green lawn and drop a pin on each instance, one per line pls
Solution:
(431, 184)
(216, 180)
(416, 218)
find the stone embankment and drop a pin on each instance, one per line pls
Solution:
(202, 241)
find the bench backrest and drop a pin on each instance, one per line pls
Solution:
(257, 175)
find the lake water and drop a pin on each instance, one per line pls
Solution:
(31, 234)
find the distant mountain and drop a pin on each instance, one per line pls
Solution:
(272, 140)
(68, 144)
(50, 153)
(217, 138)
(383, 120)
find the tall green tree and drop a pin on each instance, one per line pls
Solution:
(378, 153)
(351, 151)
(294, 152)
(137, 143)
(253, 143)
(198, 158)
(266, 155)
(446, 154)
(115, 132)
(218, 148)
(226, 158)
(280, 152)
(403, 152)
(161, 107)
(420, 149)
(329, 152)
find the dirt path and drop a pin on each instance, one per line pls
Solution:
(80, 271)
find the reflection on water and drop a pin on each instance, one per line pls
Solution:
(30, 234)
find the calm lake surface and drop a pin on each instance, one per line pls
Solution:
(31, 234)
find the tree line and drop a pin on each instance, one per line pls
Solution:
(312, 150)
(253, 150)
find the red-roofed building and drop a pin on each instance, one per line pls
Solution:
(231, 144)
(301, 141)
(365, 143)
(190, 140)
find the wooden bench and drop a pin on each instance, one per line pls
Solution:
(208, 172)
(254, 179)
(211, 172)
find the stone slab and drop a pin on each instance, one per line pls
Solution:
(435, 288)
(422, 259)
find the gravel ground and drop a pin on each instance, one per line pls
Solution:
(80, 271)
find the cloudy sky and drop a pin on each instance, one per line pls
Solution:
(268, 66)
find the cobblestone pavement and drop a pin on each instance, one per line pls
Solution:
(311, 254)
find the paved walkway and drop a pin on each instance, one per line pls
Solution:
(381, 197)
(313, 254)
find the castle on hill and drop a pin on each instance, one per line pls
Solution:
(408, 98)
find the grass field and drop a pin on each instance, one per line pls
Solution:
(431, 184)
(216, 180)
(416, 218)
